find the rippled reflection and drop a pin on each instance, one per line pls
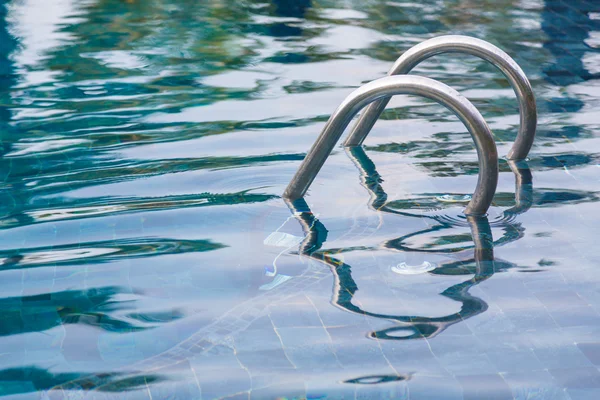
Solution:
(101, 252)
(99, 307)
(371, 180)
(28, 380)
(485, 265)
(411, 326)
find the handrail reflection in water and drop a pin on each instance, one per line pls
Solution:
(481, 233)
(468, 45)
(415, 326)
(371, 180)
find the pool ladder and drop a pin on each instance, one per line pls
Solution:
(375, 96)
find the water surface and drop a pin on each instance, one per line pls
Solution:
(146, 252)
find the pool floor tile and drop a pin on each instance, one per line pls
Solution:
(485, 387)
(591, 351)
(577, 378)
(535, 385)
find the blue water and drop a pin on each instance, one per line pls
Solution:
(146, 253)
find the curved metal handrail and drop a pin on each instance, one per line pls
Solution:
(405, 84)
(478, 48)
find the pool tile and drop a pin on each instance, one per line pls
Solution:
(219, 357)
(78, 347)
(260, 360)
(297, 313)
(434, 387)
(577, 316)
(560, 300)
(534, 385)
(577, 378)
(468, 365)
(175, 389)
(334, 317)
(531, 319)
(287, 390)
(309, 348)
(491, 321)
(591, 351)
(218, 383)
(267, 377)
(455, 345)
(239, 396)
(485, 387)
(388, 391)
(413, 356)
(336, 390)
(561, 356)
(259, 336)
(460, 328)
(521, 360)
(365, 355)
(584, 394)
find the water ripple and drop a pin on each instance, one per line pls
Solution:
(160, 134)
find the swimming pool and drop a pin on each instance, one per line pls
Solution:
(146, 251)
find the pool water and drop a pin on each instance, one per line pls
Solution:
(146, 252)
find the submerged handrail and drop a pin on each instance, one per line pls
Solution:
(469, 45)
(523, 187)
(405, 84)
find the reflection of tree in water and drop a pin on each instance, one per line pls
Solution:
(32, 379)
(101, 252)
(198, 39)
(8, 44)
(291, 8)
(95, 307)
(98, 206)
(568, 25)
(7, 74)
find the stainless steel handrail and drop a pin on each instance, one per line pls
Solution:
(405, 84)
(478, 48)
(523, 187)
